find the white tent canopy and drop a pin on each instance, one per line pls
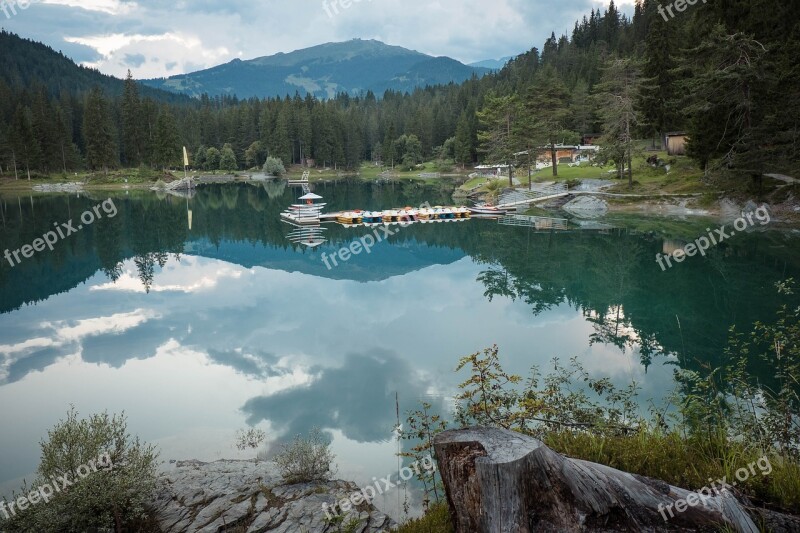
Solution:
(311, 196)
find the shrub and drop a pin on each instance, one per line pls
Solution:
(249, 438)
(306, 459)
(274, 167)
(110, 497)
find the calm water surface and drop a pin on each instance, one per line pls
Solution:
(197, 332)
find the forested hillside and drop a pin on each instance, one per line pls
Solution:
(725, 72)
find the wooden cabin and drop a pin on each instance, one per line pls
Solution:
(675, 142)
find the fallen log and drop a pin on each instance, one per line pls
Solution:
(500, 481)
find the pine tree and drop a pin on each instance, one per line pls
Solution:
(167, 146)
(281, 137)
(24, 146)
(657, 100)
(725, 118)
(548, 112)
(497, 137)
(618, 96)
(98, 135)
(131, 118)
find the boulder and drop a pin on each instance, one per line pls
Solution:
(586, 207)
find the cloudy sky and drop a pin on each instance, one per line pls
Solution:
(165, 37)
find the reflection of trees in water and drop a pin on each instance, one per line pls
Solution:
(230, 196)
(108, 243)
(275, 188)
(614, 279)
(157, 231)
(615, 269)
(497, 282)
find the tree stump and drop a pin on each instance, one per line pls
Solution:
(500, 481)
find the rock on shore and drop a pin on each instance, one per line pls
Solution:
(71, 187)
(249, 496)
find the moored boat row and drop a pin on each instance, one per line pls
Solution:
(404, 215)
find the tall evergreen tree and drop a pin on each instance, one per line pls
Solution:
(131, 118)
(548, 112)
(167, 144)
(497, 137)
(658, 100)
(24, 146)
(98, 134)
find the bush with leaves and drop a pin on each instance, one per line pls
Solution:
(492, 397)
(306, 459)
(423, 426)
(249, 438)
(111, 499)
(274, 167)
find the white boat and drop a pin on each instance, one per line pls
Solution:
(488, 210)
(307, 213)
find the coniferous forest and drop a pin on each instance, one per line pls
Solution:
(725, 72)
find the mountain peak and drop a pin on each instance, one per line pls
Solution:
(355, 67)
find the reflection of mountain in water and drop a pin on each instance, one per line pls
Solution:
(611, 276)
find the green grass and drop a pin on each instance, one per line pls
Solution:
(670, 457)
(437, 520)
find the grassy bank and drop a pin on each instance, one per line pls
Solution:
(724, 421)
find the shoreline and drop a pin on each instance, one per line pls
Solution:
(650, 203)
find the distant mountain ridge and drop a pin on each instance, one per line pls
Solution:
(352, 67)
(492, 64)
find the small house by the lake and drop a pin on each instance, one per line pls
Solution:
(675, 142)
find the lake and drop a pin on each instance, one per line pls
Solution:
(196, 332)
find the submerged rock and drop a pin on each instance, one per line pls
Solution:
(250, 496)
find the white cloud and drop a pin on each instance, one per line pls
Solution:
(204, 33)
(112, 7)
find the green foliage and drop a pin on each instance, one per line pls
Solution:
(274, 167)
(725, 419)
(409, 150)
(213, 157)
(498, 135)
(484, 399)
(436, 520)
(618, 94)
(98, 132)
(306, 459)
(167, 147)
(736, 92)
(249, 438)
(227, 159)
(726, 400)
(112, 498)
(423, 426)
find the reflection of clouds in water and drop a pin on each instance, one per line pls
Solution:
(258, 364)
(357, 398)
(189, 275)
(75, 336)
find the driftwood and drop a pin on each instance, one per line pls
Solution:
(500, 481)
